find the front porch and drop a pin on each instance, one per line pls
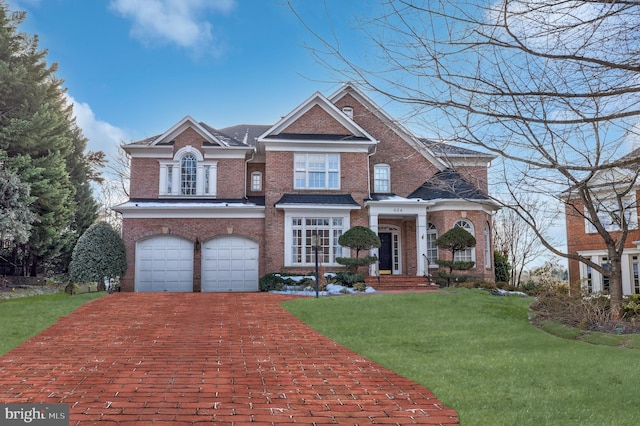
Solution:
(401, 225)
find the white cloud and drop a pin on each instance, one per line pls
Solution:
(177, 22)
(101, 135)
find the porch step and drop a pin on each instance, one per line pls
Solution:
(400, 282)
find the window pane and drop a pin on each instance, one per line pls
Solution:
(381, 178)
(188, 167)
(328, 230)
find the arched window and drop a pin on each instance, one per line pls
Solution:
(188, 169)
(188, 174)
(432, 249)
(382, 178)
(469, 254)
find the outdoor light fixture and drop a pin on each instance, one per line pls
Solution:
(315, 243)
(196, 245)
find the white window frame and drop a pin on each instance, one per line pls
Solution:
(382, 178)
(634, 268)
(608, 213)
(432, 248)
(487, 246)
(306, 256)
(170, 177)
(466, 255)
(304, 171)
(256, 181)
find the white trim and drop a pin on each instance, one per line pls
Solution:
(145, 151)
(152, 210)
(184, 124)
(317, 99)
(395, 233)
(317, 207)
(289, 214)
(328, 146)
(447, 204)
(226, 152)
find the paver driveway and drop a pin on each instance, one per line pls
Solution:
(178, 359)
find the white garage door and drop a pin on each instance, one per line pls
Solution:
(230, 263)
(164, 263)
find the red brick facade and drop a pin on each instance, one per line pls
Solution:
(383, 143)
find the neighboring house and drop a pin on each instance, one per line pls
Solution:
(584, 240)
(215, 209)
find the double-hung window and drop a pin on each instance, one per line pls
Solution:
(316, 171)
(382, 178)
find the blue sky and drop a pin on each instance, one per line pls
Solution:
(133, 68)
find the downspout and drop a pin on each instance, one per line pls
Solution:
(375, 149)
(246, 163)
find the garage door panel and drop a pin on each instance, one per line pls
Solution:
(225, 263)
(163, 264)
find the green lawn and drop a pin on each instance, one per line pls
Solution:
(479, 355)
(25, 317)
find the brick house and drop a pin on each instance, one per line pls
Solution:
(215, 209)
(584, 240)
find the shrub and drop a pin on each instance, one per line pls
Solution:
(631, 307)
(71, 288)
(348, 279)
(271, 282)
(358, 238)
(98, 254)
(359, 286)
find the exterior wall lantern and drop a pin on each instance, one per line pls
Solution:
(315, 243)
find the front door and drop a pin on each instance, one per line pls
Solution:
(385, 252)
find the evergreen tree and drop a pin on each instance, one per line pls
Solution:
(358, 238)
(99, 254)
(15, 216)
(454, 240)
(43, 145)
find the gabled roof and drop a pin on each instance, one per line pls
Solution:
(211, 136)
(448, 185)
(353, 131)
(350, 89)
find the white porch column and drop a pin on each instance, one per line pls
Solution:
(373, 225)
(421, 242)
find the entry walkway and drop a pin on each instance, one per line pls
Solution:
(184, 358)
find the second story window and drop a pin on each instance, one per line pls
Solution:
(188, 168)
(188, 174)
(381, 178)
(316, 171)
(611, 213)
(256, 181)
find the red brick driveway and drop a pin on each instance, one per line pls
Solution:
(179, 359)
